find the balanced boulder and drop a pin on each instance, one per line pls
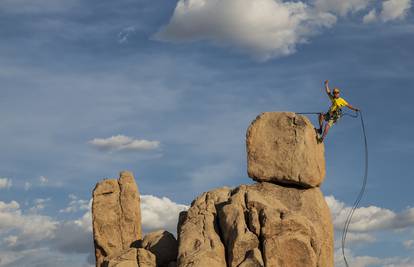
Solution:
(282, 148)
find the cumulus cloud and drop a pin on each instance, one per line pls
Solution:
(370, 16)
(125, 34)
(5, 183)
(76, 204)
(43, 180)
(39, 204)
(394, 9)
(391, 10)
(367, 261)
(122, 142)
(342, 7)
(356, 238)
(26, 228)
(74, 236)
(262, 28)
(369, 218)
(27, 186)
(159, 213)
(408, 244)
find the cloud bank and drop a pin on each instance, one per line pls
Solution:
(369, 218)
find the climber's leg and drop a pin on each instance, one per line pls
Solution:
(321, 118)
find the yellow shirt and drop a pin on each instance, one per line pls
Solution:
(337, 103)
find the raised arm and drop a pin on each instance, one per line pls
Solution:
(328, 91)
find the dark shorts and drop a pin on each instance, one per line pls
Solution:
(331, 118)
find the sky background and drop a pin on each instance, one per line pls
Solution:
(167, 89)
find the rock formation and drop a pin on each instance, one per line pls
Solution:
(263, 224)
(116, 219)
(282, 220)
(164, 246)
(116, 215)
(282, 148)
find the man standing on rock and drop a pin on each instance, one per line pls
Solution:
(334, 112)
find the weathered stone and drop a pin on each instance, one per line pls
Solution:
(116, 216)
(263, 224)
(163, 245)
(282, 148)
(145, 258)
(237, 237)
(253, 259)
(199, 233)
(126, 258)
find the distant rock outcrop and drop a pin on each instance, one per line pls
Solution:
(116, 219)
(282, 148)
(116, 216)
(282, 220)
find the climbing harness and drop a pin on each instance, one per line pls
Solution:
(364, 183)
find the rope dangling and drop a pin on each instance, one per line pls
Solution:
(361, 192)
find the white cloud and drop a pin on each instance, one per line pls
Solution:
(368, 261)
(122, 142)
(76, 204)
(5, 183)
(369, 218)
(27, 186)
(370, 17)
(125, 34)
(391, 10)
(356, 238)
(29, 227)
(408, 244)
(160, 213)
(394, 9)
(262, 28)
(39, 204)
(43, 180)
(342, 7)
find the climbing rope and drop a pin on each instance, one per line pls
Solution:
(361, 192)
(364, 183)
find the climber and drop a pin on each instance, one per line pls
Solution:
(334, 112)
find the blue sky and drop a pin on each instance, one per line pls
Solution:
(176, 84)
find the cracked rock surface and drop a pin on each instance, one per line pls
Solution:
(263, 224)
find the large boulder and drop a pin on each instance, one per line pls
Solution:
(163, 245)
(282, 148)
(116, 216)
(263, 224)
